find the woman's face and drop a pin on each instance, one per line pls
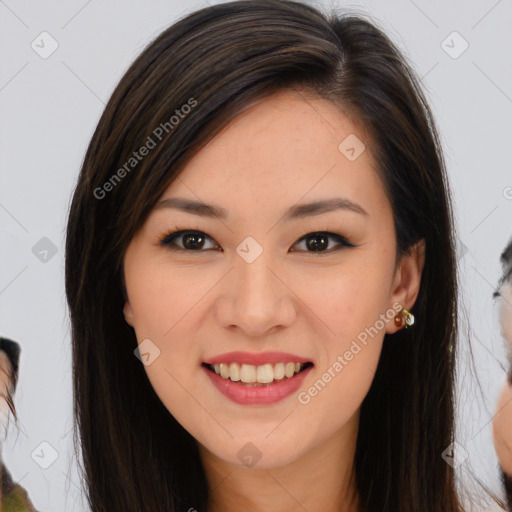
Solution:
(252, 282)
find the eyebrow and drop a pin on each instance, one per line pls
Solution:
(295, 212)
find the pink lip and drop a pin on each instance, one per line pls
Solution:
(257, 395)
(257, 359)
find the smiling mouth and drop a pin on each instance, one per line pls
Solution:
(257, 376)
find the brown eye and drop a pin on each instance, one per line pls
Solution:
(190, 240)
(319, 242)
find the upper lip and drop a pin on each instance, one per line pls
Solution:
(257, 359)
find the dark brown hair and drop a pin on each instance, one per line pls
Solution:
(506, 266)
(12, 351)
(136, 456)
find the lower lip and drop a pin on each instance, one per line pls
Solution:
(257, 395)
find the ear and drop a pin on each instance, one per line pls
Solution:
(407, 280)
(128, 313)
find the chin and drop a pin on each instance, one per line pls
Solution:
(255, 452)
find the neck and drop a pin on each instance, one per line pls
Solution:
(320, 480)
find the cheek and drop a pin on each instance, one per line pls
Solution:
(339, 387)
(352, 303)
(349, 298)
(161, 295)
(168, 306)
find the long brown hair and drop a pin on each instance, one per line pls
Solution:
(136, 456)
(9, 366)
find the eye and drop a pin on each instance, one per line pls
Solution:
(194, 240)
(319, 241)
(191, 240)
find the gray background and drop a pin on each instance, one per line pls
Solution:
(50, 107)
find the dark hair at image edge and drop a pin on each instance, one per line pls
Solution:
(12, 351)
(136, 456)
(506, 265)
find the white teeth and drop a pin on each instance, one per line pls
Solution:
(263, 374)
(289, 369)
(248, 373)
(279, 371)
(234, 372)
(224, 370)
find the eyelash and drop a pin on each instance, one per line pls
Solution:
(167, 239)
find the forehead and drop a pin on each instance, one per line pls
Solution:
(285, 147)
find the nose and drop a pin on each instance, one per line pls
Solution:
(256, 298)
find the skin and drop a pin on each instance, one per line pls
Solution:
(195, 305)
(502, 431)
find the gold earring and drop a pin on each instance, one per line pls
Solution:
(404, 319)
